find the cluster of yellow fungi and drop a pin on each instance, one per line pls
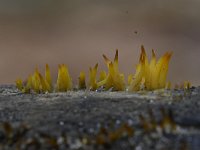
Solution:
(149, 75)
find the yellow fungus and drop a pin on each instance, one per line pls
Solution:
(40, 84)
(187, 85)
(154, 73)
(149, 75)
(64, 81)
(92, 78)
(36, 84)
(130, 79)
(44, 85)
(28, 86)
(142, 84)
(102, 76)
(81, 83)
(19, 84)
(114, 79)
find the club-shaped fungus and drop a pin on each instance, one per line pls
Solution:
(149, 75)
(36, 82)
(81, 81)
(187, 85)
(39, 84)
(92, 78)
(152, 74)
(64, 81)
(19, 84)
(114, 79)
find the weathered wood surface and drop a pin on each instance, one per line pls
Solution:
(73, 120)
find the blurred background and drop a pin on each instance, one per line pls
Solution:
(78, 32)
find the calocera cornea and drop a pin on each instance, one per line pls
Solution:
(92, 78)
(149, 75)
(114, 78)
(36, 82)
(81, 81)
(64, 81)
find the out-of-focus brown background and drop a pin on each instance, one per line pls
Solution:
(78, 32)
